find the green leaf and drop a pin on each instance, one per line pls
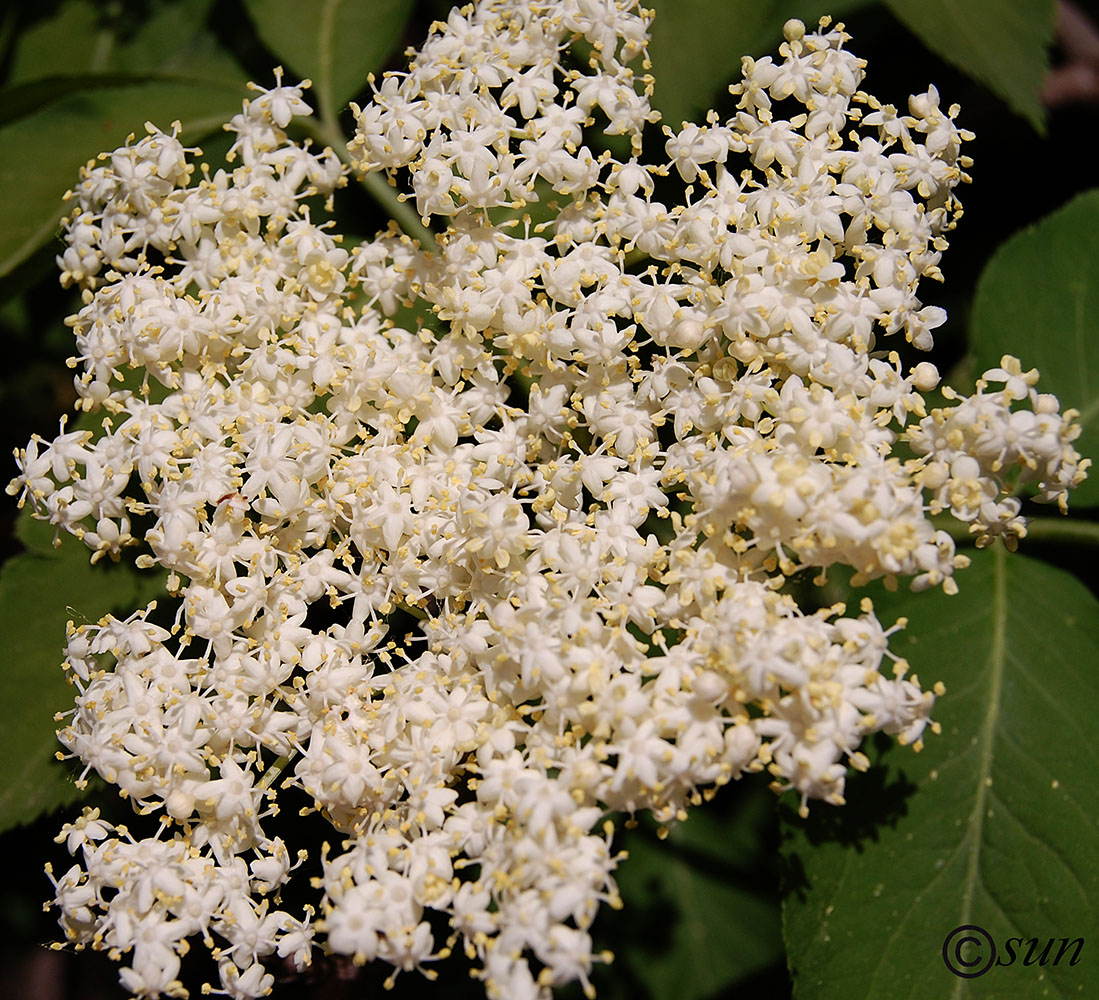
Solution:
(1038, 299)
(177, 37)
(1002, 43)
(993, 824)
(697, 46)
(71, 41)
(40, 590)
(87, 36)
(24, 99)
(44, 150)
(335, 43)
(700, 909)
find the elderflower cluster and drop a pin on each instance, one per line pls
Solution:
(474, 545)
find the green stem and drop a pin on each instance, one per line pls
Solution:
(379, 188)
(1052, 529)
(1040, 529)
(103, 44)
(327, 130)
(274, 771)
(958, 530)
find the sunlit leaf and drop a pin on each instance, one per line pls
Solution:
(335, 43)
(1002, 43)
(994, 824)
(40, 590)
(1038, 299)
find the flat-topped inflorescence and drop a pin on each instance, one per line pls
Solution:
(478, 543)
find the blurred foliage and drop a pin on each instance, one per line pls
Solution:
(34, 635)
